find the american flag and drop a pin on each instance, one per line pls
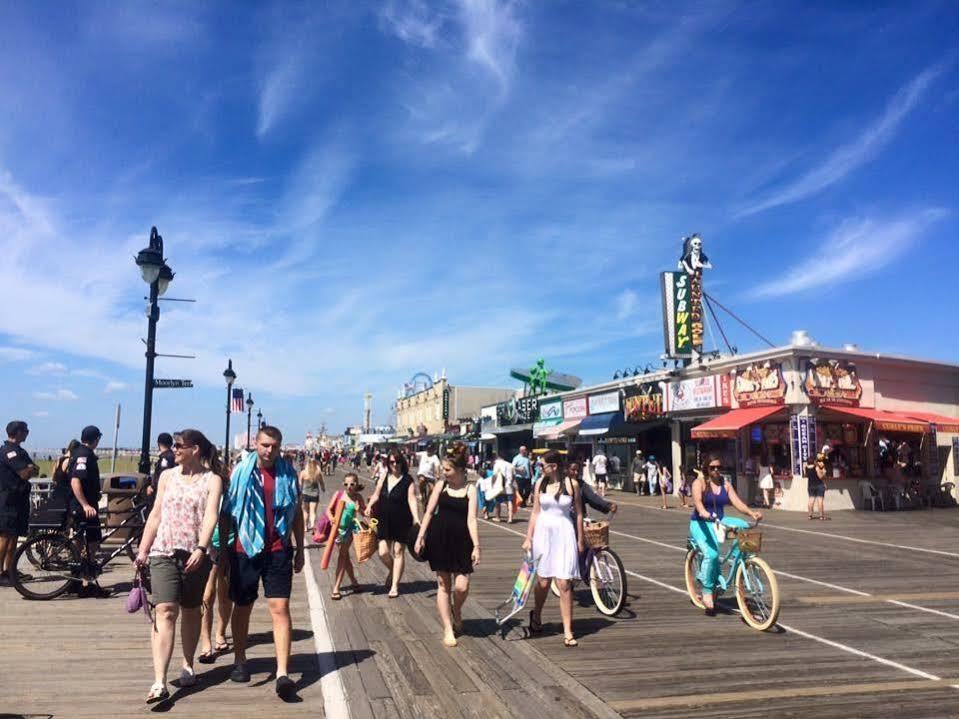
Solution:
(236, 405)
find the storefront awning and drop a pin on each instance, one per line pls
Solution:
(560, 430)
(599, 424)
(949, 425)
(512, 429)
(727, 426)
(885, 421)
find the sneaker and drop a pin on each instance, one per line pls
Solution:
(187, 677)
(5, 581)
(240, 673)
(285, 688)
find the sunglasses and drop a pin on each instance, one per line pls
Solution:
(717, 467)
(181, 445)
(349, 484)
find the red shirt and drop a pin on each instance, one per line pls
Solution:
(273, 542)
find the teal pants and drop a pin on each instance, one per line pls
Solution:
(703, 534)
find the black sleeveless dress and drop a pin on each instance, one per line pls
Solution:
(393, 516)
(448, 543)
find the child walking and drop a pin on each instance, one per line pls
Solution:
(342, 535)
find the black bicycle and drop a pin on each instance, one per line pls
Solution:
(47, 563)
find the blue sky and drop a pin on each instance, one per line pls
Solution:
(355, 192)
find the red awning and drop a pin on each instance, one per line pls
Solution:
(943, 423)
(728, 425)
(885, 420)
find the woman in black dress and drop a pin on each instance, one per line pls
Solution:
(395, 494)
(451, 539)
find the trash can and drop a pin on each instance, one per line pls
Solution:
(119, 490)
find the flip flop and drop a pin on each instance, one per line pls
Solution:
(223, 646)
(570, 642)
(336, 596)
(158, 692)
(393, 595)
(207, 657)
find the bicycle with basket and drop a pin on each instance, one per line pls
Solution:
(607, 576)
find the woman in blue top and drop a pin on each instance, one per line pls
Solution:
(709, 499)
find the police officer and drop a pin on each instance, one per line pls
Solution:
(16, 469)
(165, 461)
(85, 483)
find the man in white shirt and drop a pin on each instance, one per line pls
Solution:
(503, 478)
(652, 475)
(427, 472)
(599, 469)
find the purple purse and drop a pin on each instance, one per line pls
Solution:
(138, 598)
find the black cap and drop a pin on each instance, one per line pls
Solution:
(90, 434)
(165, 439)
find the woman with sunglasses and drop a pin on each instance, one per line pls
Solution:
(397, 512)
(710, 497)
(175, 542)
(555, 538)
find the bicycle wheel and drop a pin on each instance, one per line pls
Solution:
(757, 593)
(45, 566)
(607, 582)
(694, 558)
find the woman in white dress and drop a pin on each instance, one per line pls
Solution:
(766, 483)
(555, 537)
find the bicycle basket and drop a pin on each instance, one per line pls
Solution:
(750, 541)
(596, 534)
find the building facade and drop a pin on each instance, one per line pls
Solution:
(432, 410)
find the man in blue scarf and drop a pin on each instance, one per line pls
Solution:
(263, 501)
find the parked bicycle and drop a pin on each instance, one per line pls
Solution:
(607, 576)
(757, 591)
(48, 562)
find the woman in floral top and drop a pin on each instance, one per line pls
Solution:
(175, 543)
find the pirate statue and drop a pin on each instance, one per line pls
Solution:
(693, 259)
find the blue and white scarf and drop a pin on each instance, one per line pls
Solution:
(244, 502)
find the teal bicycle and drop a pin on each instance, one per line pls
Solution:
(753, 580)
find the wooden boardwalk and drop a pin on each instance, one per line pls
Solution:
(869, 628)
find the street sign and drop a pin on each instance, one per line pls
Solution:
(172, 383)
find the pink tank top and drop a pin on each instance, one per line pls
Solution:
(184, 504)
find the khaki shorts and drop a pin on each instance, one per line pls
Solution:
(171, 584)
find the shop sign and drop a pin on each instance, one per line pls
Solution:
(619, 440)
(575, 408)
(551, 411)
(644, 403)
(802, 429)
(759, 385)
(601, 403)
(677, 323)
(832, 382)
(699, 393)
(955, 456)
(446, 403)
(523, 410)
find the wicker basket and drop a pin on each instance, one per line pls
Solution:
(596, 534)
(750, 541)
(364, 541)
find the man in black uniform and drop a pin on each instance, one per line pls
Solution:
(165, 461)
(85, 483)
(16, 469)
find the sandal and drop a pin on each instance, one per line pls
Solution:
(393, 594)
(449, 641)
(535, 624)
(158, 692)
(825, 519)
(221, 645)
(570, 642)
(207, 657)
(336, 596)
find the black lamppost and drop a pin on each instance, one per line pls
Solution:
(249, 417)
(157, 274)
(259, 420)
(230, 376)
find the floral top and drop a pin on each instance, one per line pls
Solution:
(184, 505)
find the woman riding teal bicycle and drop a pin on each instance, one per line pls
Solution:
(710, 497)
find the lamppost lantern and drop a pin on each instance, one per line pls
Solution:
(228, 374)
(259, 419)
(150, 258)
(249, 417)
(164, 279)
(249, 401)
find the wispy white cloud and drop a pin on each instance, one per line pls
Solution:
(41, 413)
(60, 395)
(853, 250)
(626, 304)
(412, 21)
(853, 155)
(15, 354)
(492, 31)
(115, 386)
(55, 368)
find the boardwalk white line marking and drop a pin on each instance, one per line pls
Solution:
(788, 628)
(335, 705)
(836, 536)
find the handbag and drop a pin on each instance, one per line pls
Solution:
(364, 540)
(138, 598)
(321, 532)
